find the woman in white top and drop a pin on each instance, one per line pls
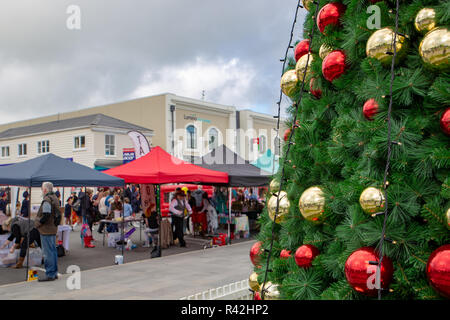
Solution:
(211, 214)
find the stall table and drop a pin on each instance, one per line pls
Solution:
(140, 220)
(240, 224)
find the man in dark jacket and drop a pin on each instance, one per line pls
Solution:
(46, 223)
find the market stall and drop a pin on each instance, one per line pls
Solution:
(240, 172)
(61, 172)
(159, 167)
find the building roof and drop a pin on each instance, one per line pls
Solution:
(93, 120)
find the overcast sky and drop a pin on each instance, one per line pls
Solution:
(134, 48)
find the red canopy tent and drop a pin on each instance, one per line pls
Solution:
(159, 167)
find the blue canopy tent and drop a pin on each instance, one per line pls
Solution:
(59, 171)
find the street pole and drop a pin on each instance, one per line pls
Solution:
(158, 212)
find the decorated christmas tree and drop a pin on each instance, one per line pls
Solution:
(360, 205)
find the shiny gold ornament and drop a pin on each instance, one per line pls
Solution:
(253, 282)
(435, 48)
(324, 51)
(307, 4)
(425, 20)
(283, 208)
(372, 200)
(381, 42)
(289, 83)
(312, 204)
(301, 66)
(448, 218)
(274, 186)
(271, 291)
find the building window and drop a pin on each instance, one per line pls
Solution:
(79, 142)
(262, 144)
(191, 132)
(5, 152)
(110, 145)
(22, 150)
(213, 139)
(43, 146)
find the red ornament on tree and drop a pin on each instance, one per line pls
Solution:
(287, 133)
(285, 254)
(362, 276)
(445, 122)
(301, 49)
(305, 254)
(370, 109)
(330, 14)
(438, 270)
(333, 66)
(257, 296)
(315, 90)
(255, 253)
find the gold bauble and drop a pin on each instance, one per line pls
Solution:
(301, 66)
(289, 83)
(324, 51)
(312, 204)
(372, 200)
(435, 48)
(307, 4)
(274, 186)
(270, 291)
(253, 282)
(381, 42)
(448, 218)
(283, 208)
(425, 20)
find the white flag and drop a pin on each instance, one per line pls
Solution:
(141, 145)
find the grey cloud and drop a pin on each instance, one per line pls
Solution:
(46, 68)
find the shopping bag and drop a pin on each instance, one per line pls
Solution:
(7, 258)
(35, 256)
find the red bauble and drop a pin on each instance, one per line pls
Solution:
(285, 254)
(257, 296)
(333, 66)
(305, 254)
(370, 109)
(330, 14)
(301, 49)
(438, 270)
(287, 133)
(361, 275)
(255, 253)
(315, 91)
(445, 122)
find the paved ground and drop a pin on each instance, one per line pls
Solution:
(90, 258)
(169, 277)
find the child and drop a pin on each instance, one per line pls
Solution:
(68, 212)
(151, 221)
(127, 209)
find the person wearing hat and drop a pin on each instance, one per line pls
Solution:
(24, 210)
(177, 207)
